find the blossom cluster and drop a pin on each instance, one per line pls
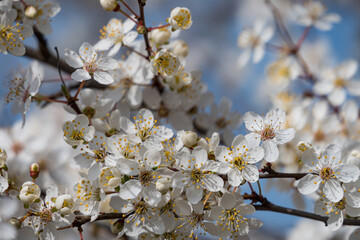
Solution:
(142, 141)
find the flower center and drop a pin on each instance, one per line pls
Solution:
(77, 135)
(196, 174)
(145, 177)
(100, 155)
(326, 173)
(339, 83)
(267, 133)
(239, 162)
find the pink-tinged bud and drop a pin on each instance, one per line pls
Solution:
(141, 29)
(34, 170)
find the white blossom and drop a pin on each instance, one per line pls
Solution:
(180, 18)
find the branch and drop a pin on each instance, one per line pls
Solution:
(297, 176)
(83, 219)
(275, 208)
(142, 22)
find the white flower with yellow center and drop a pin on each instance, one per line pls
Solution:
(115, 34)
(88, 197)
(327, 171)
(95, 156)
(144, 186)
(139, 216)
(110, 177)
(78, 131)
(335, 83)
(253, 41)
(196, 174)
(65, 204)
(24, 85)
(39, 13)
(282, 71)
(180, 18)
(11, 36)
(180, 80)
(44, 217)
(165, 63)
(238, 161)
(90, 65)
(29, 192)
(230, 220)
(144, 130)
(313, 13)
(336, 211)
(268, 131)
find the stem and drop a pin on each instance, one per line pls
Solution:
(163, 26)
(127, 15)
(207, 198)
(134, 51)
(146, 36)
(283, 175)
(42, 98)
(79, 89)
(258, 183)
(302, 38)
(127, 6)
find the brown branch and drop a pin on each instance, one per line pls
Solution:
(146, 35)
(289, 211)
(297, 176)
(83, 219)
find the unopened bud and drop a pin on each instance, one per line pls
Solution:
(141, 29)
(189, 139)
(162, 185)
(180, 49)
(34, 170)
(109, 5)
(3, 157)
(117, 226)
(160, 36)
(301, 147)
(15, 222)
(31, 12)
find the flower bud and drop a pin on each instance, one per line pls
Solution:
(180, 49)
(141, 29)
(65, 204)
(162, 185)
(29, 192)
(109, 5)
(117, 226)
(189, 139)
(110, 177)
(301, 147)
(15, 222)
(31, 12)
(160, 36)
(354, 158)
(34, 170)
(3, 157)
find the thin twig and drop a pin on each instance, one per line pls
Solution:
(137, 52)
(146, 35)
(127, 6)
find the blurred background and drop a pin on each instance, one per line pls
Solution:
(212, 40)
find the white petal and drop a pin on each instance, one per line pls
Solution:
(213, 182)
(130, 37)
(194, 193)
(271, 151)
(347, 173)
(251, 173)
(323, 88)
(253, 122)
(103, 77)
(335, 221)
(309, 184)
(235, 177)
(284, 135)
(73, 59)
(130, 189)
(151, 195)
(337, 97)
(94, 171)
(333, 190)
(228, 200)
(80, 75)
